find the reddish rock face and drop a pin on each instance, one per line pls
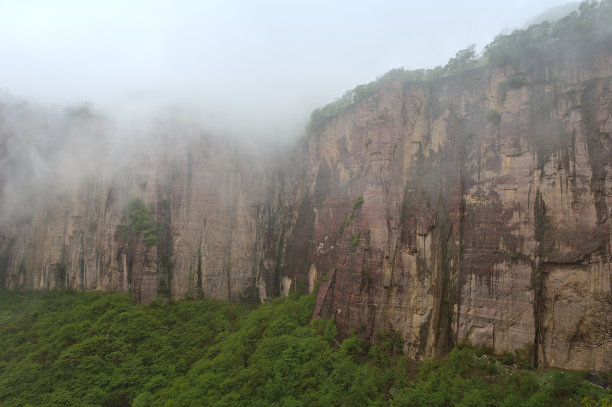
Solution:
(445, 212)
(494, 231)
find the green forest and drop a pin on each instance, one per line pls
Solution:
(64, 348)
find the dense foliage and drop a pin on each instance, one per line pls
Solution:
(139, 223)
(88, 349)
(591, 24)
(588, 27)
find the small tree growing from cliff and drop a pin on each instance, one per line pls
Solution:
(494, 116)
(358, 202)
(139, 222)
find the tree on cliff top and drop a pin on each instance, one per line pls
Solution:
(464, 60)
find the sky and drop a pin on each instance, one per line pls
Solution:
(248, 67)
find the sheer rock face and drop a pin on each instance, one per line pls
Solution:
(447, 212)
(212, 203)
(478, 226)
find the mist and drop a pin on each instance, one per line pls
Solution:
(254, 69)
(86, 87)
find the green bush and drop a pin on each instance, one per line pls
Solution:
(494, 116)
(139, 223)
(358, 202)
(514, 82)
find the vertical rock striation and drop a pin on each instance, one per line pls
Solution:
(485, 213)
(214, 207)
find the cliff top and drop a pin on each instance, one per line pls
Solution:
(587, 28)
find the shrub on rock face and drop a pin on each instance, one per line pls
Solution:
(358, 202)
(139, 222)
(494, 116)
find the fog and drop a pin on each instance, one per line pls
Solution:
(84, 86)
(253, 69)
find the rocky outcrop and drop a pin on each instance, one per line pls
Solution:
(471, 208)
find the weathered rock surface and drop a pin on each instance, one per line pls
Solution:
(212, 202)
(472, 227)
(447, 212)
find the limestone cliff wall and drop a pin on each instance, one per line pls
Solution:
(213, 204)
(485, 214)
(474, 208)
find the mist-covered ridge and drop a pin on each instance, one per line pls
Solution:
(590, 26)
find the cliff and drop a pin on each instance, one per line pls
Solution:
(471, 208)
(468, 209)
(211, 204)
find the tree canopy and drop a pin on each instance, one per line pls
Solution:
(94, 349)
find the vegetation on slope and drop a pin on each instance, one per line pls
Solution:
(92, 349)
(590, 26)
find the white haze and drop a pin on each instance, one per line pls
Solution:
(255, 69)
(252, 70)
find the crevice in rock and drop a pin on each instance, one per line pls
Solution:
(537, 277)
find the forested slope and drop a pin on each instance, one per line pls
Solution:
(92, 349)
